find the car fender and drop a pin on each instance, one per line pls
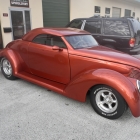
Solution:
(14, 59)
(79, 86)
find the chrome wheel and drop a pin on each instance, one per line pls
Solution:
(106, 101)
(7, 68)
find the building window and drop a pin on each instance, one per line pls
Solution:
(97, 9)
(133, 14)
(116, 12)
(127, 13)
(107, 10)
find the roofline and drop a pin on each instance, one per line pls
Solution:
(90, 18)
(53, 31)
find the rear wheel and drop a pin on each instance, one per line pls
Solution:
(7, 69)
(107, 102)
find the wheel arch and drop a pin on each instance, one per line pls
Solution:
(108, 77)
(14, 59)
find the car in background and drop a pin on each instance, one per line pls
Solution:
(71, 62)
(122, 34)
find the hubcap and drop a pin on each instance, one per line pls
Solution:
(106, 101)
(7, 67)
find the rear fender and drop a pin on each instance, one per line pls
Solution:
(80, 85)
(14, 59)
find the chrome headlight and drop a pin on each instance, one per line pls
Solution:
(138, 85)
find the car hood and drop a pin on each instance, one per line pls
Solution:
(107, 54)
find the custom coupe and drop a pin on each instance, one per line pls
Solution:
(70, 61)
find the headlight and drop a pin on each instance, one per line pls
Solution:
(138, 85)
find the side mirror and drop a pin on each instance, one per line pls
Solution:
(57, 48)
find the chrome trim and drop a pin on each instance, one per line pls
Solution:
(83, 25)
(109, 40)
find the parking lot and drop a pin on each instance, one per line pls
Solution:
(31, 112)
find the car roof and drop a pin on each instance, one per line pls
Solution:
(53, 31)
(101, 18)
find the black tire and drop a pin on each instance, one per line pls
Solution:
(7, 69)
(107, 102)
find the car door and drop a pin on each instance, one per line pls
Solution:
(49, 63)
(94, 27)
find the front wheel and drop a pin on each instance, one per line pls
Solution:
(107, 102)
(6, 69)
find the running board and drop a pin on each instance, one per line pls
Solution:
(54, 86)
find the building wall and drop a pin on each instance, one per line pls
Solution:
(35, 14)
(85, 8)
(5, 21)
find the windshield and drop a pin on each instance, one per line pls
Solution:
(81, 41)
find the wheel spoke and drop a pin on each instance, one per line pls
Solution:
(110, 106)
(101, 103)
(103, 95)
(110, 94)
(114, 101)
(10, 70)
(8, 65)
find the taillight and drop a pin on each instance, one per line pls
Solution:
(132, 42)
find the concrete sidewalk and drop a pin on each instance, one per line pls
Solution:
(30, 112)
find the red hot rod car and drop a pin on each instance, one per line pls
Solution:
(70, 62)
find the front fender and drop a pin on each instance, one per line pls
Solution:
(14, 59)
(80, 85)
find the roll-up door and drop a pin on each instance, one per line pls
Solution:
(116, 12)
(55, 13)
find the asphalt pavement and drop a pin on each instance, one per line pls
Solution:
(31, 112)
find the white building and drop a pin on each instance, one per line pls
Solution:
(112, 8)
(18, 17)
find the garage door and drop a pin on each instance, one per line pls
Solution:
(55, 13)
(116, 12)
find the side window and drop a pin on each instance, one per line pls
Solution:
(49, 40)
(40, 39)
(116, 27)
(57, 41)
(93, 27)
(76, 24)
